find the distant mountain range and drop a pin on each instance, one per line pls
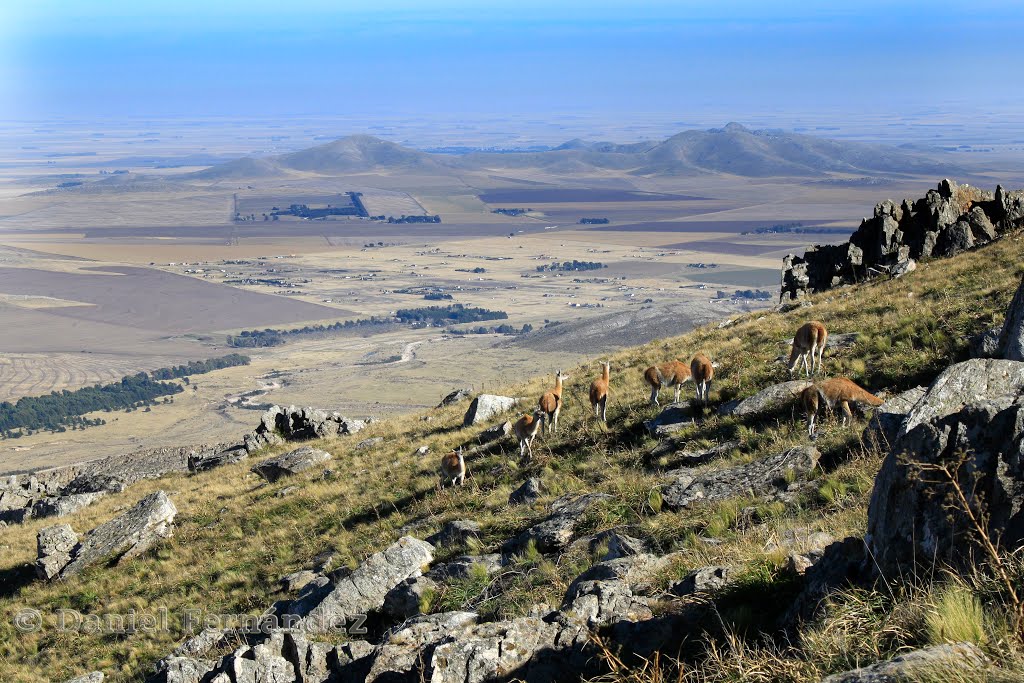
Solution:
(734, 149)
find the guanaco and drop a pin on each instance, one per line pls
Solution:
(703, 371)
(671, 374)
(599, 392)
(453, 466)
(551, 402)
(809, 341)
(838, 390)
(526, 429)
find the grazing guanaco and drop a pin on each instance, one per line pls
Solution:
(838, 390)
(809, 341)
(671, 374)
(599, 392)
(453, 466)
(551, 402)
(526, 429)
(703, 371)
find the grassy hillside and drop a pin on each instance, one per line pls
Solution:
(236, 536)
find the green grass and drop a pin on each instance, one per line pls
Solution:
(235, 538)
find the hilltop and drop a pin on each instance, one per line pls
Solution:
(733, 149)
(657, 545)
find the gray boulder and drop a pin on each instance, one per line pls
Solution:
(768, 400)
(498, 431)
(985, 344)
(455, 397)
(365, 589)
(604, 602)
(764, 477)
(703, 580)
(94, 677)
(464, 566)
(486, 406)
(681, 456)
(405, 650)
(915, 515)
(279, 425)
(200, 461)
(555, 532)
(60, 506)
(1011, 336)
(407, 598)
(456, 533)
(887, 418)
(291, 463)
(963, 383)
(672, 418)
(955, 661)
(528, 493)
(124, 537)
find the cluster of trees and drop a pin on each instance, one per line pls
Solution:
(199, 367)
(498, 329)
(759, 294)
(414, 219)
(437, 296)
(572, 265)
(594, 221)
(59, 410)
(448, 315)
(511, 212)
(796, 229)
(251, 339)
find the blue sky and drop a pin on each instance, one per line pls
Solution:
(89, 58)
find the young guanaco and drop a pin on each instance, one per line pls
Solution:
(526, 429)
(809, 341)
(599, 392)
(703, 371)
(453, 466)
(838, 390)
(671, 374)
(551, 402)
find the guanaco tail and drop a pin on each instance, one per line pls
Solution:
(703, 371)
(599, 393)
(809, 341)
(838, 390)
(671, 374)
(551, 402)
(525, 429)
(453, 466)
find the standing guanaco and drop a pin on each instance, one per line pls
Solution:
(453, 466)
(599, 392)
(809, 341)
(526, 429)
(551, 402)
(838, 390)
(703, 371)
(671, 374)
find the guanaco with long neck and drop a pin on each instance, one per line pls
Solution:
(525, 429)
(551, 402)
(702, 370)
(453, 467)
(671, 374)
(836, 391)
(810, 341)
(599, 392)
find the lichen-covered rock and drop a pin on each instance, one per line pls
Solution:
(486, 406)
(291, 463)
(365, 589)
(409, 597)
(406, 652)
(768, 400)
(94, 677)
(767, 476)
(703, 580)
(124, 537)
(528, 493)
(456, 533)
(955, 661)
(555, 532)
(887, 418)
(279, 425)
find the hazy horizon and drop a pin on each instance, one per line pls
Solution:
(125, 60)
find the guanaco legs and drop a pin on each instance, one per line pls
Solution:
(809, 341)
(599, 393)
(838, 390)
(453, 467)
(551, 402)
(702, 370)
(526, 429)
(671, 374)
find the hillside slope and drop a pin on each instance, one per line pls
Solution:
(237, 536)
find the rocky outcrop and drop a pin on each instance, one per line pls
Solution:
(455, 396)
(559, 528)
(456, 533)
(683, 456)
(486, 406)
(955, 661)
(94, 677)
(765, 477)
(917, 518)
(203, 460)
(365, 589)
(61, 554)
(528, 492)
(279, 425)
(887, 418)
(291, 463)
(671, 418)
(768, 400)
(946, 221)
(1010, 344)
